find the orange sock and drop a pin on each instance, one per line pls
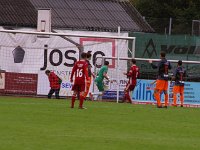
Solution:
(181, 98)
(174, 99)
(157, 97)
(166, 99)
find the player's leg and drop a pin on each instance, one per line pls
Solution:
(88, 83)
(166, 98)
(157, 97)
(157, 92)
(74, 89)
(73, 99)
(182, 95)
(130, 93)
(175, 92)
(51, 91)
(57, 93)
(82, 95)
(100, 87)
(165, 90)
(126, 92)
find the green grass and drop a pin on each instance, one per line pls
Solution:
(41, 124)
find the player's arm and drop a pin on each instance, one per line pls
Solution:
(152, 65)
(174, 75)
(153, 82)
(72, 74)
(106, 76)
(85, 69)
(170, 66)
(185, 75)
(1, 76)
(138, 73)
(130, 73)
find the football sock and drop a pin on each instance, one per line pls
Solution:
(174, 99)
(73, 101)
(166, 99)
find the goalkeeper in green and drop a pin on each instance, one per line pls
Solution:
(99, 80)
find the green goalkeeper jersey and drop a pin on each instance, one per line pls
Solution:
(100, 76)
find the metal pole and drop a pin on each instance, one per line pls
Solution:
(154, 60)
(67, 34)
(118, 66)
(170, 25)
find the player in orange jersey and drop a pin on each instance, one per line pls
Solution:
(162, 80)
(178, 76)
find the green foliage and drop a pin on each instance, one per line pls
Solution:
(41, 124)
(158, 12)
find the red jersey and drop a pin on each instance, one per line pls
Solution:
(80, 70)
(133, 74)
(54, 81)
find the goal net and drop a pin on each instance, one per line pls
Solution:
(25, 55)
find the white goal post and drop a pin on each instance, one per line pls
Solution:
(68, 34)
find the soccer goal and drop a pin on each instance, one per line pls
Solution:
(25, 55)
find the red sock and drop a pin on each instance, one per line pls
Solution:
(129, 98)
(73, 101)
(125, 96)
(81, 101)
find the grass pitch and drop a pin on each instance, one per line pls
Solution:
(41, 124)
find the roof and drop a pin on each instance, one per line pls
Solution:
(97, 15)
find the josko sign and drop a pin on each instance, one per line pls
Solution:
(26, 53)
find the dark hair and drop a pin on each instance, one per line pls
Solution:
(106, 63)
(162, 54)
(83, 55)
(133, 61)
(89, 54)
(179, 62)
(47, 71)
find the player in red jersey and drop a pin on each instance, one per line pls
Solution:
(132, 74)
(80, 73)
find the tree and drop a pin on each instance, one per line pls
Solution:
(158, 12)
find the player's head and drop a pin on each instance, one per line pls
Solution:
(133, 61)
(47, 72)
(89, 55)
(106, 63)
(83, 55)
(162, 54)
(179, 63)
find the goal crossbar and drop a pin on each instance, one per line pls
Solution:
(146, 59)
(68, 34)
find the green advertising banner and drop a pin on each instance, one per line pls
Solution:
(177, 47)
